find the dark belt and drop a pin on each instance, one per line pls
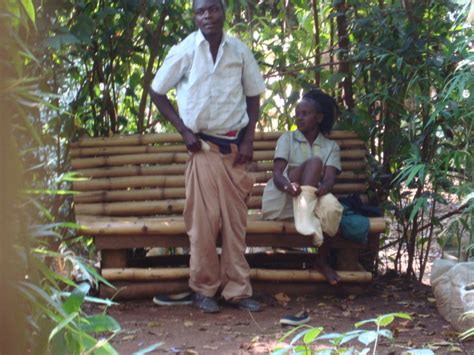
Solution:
(222, 143)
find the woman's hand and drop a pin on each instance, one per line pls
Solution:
(293, 189)
(322, 190)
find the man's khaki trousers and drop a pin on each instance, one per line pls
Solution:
(215, 205)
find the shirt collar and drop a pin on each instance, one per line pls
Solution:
(200, 38)
(301, 138)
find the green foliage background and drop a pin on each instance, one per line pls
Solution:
(402, 72)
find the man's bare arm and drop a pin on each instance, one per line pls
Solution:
(166, 108)
(246, 146)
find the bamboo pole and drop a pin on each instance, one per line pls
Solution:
(143, 208)
(181, 148)
(114, 160)
(172, 274)
(167, 206)
(166, 148)
(93, 225)
(154, 138)
(177, 169)
(162, 193)
(117, 183)
(129, 195)
(149, 194)
(170, 158)
(178, 181)
(133, 170)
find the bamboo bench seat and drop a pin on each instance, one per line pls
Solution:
(131, 196)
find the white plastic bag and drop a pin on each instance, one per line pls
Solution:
(453, 288)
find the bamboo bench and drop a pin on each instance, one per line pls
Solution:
(133, 197)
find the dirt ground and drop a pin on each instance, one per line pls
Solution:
(185, 330)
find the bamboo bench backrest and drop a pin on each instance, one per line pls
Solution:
(143, 175)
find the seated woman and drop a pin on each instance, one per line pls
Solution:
(305, 167)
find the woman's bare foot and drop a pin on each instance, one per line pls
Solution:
(328, 272)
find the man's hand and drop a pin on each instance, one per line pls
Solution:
(191, 141)
(245, 154)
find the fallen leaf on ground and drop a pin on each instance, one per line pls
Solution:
(210, 347)
(128, 337)
(404, 303)
(282, 298)
(449, 333)
(424, 315)
(442, 343)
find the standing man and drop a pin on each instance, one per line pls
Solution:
(218, 84)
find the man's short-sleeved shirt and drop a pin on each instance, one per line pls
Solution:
(295, 149)
(211, 96)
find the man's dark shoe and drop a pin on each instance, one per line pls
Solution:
(248, 304)
(205, 304)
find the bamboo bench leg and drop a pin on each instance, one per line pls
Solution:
(348, 260)
(113, 258)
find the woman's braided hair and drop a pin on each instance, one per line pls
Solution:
(326, 105)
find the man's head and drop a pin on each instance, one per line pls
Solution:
(209, 16)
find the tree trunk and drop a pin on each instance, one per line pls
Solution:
(317, 43)
(148, 77)
(344, 66)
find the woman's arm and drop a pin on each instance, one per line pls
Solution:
(281, 182)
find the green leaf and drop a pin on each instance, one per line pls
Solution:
(30, 9)
(420, 203)
(416, 170)
(334, 79)
(402, 315)
(349, 336)
(49, 300)
(328, 351)
(74, 302)
(94, 346)
(385, 320)
(419, 352)
(301, 349)
(368, 337)
(466, 199)
(99, 323)
(292, 331)
(148, 349)
(63, 324)
(358, 324)
(312, 334)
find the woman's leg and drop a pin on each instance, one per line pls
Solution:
(309, 173)
(322, 264)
